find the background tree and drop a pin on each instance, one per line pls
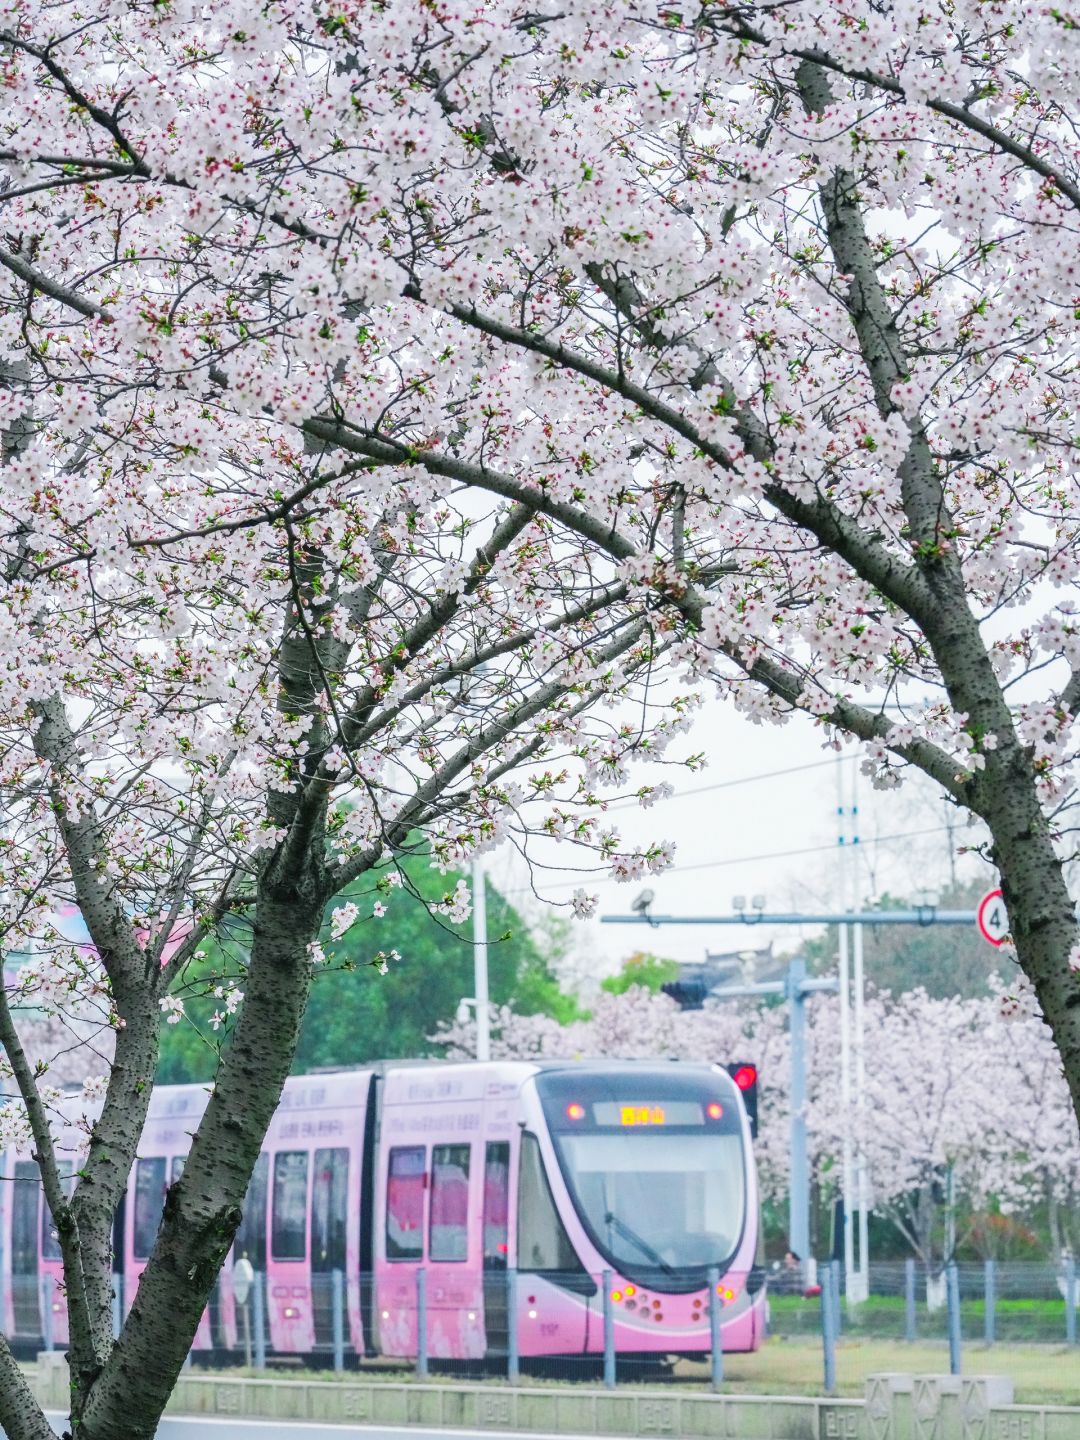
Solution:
(353, 1014)
(642, 969)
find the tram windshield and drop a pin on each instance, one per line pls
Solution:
(656, 1171)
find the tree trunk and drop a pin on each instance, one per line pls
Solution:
(203, 1208)
(20, 1414)
(1042, 914)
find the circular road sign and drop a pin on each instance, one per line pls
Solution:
(991, 918)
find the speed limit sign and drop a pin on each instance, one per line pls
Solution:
(991, 918)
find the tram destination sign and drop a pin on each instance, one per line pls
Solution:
(649, 1112)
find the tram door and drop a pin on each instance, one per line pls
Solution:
(496, 1215)
(329, 1204)
(25, 1212)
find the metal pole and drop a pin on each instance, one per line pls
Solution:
(513, 1364)
(47, 1311)
(480, 961)
(337, 1303)
(952, 1284)
(950, 1213)
(909, 1301)
(844, 977)
(258, 1315)
(861, 1177)
(609, 1333)
(989, 1302)
(421, 1323)
(1070, 1301)
(837, 1321)
(716, 1339)
(922, 916)
(245, 1316)
(799, 1215)
(828, 1326)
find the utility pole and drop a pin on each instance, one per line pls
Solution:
(857, 1276)
(480, 961)
(847, 1187)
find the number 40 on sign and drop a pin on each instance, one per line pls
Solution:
(991, 918)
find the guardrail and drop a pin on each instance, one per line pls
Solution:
(337, 1321)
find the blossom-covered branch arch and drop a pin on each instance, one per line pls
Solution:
(389, 393)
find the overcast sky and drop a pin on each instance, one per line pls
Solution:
(742, 828)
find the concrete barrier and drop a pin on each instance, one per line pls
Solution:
(895, 1407)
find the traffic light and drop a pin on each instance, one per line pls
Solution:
(688, 994)
(745, 1076)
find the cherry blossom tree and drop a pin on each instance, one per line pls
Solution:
(387, 386)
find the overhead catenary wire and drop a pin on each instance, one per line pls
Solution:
(587, 877)
(727, 784)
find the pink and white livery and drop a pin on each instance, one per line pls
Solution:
(559, 1171)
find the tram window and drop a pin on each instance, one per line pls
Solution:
(251, 1232)
(50, 1241)
(449, 1238)
(149, 1200)
(405, 1203)
(329, 1204)
(496, 1203)
(543, 1243)
(24, 1217)
(288, 1230)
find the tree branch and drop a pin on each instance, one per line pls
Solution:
(20, 1413)
(863, 722)
(961, 114)
(344, 873)
(84, 1358)
(868, 558)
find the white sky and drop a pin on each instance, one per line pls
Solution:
(744, 839)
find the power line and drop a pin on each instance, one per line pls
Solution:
(585, 878)
(727, 784)
(807, 850)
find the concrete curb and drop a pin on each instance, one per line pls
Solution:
(895, 1407)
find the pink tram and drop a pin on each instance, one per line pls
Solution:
(560, 1171)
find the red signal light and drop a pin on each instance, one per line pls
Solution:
(574, 1111)
(745, 1076)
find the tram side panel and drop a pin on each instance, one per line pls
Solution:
(428, 1209)
(32, 1305)
(174, 1115)
(308, 1195)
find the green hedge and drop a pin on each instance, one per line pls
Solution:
(1015, 1321)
